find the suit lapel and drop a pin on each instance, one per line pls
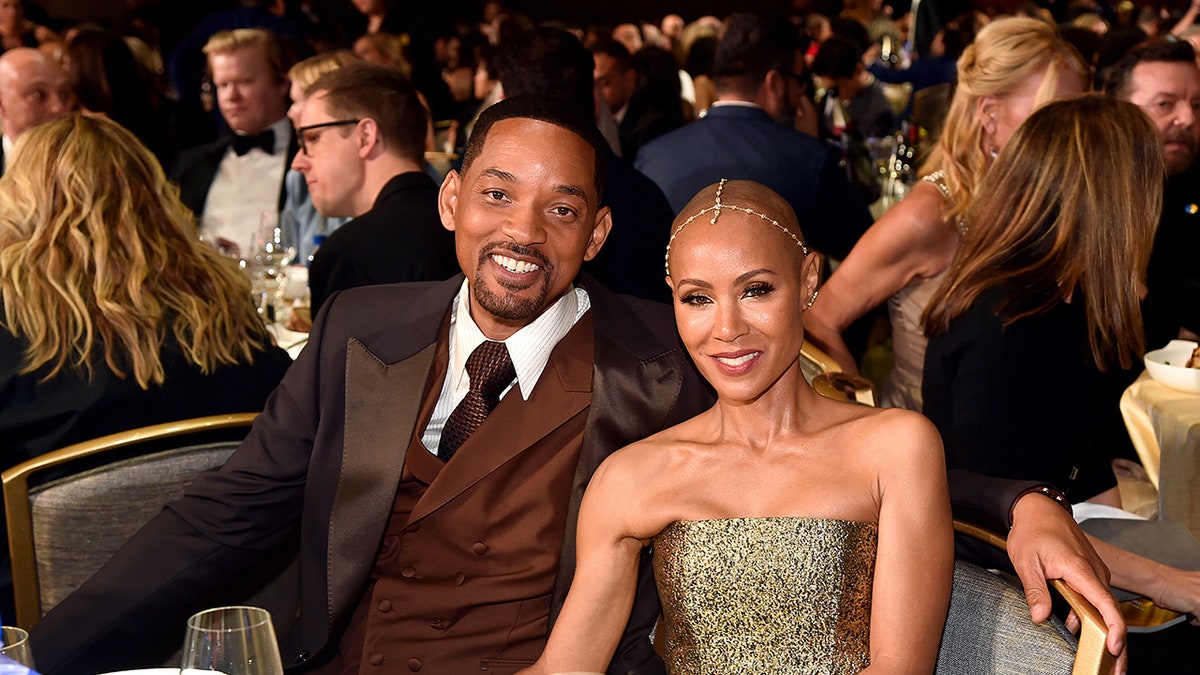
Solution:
(382, 406)
(564, 389)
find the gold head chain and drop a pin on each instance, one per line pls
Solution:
(716, 211)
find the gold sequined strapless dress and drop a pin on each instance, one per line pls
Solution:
(766, 595)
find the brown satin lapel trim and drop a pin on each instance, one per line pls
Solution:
(564, 389)
(631, 400)
(382, 406)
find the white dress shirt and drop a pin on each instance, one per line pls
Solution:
(529, 349)
(244, 187)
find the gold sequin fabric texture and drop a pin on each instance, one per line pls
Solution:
(766, 595)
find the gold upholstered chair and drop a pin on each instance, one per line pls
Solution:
(69, 510)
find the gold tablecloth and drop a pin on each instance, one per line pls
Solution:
(1164, 424)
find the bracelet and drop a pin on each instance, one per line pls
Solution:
(1047, 490)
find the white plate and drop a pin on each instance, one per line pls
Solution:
(1166, 365)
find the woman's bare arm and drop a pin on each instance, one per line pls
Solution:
(597, 607)
(915, 560)
(909, 241)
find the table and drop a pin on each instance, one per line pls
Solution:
(1164, 424)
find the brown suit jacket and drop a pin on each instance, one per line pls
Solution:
(326, 456)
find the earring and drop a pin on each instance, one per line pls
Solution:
(993, 151)
(811, 300)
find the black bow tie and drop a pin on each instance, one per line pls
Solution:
(265, 141)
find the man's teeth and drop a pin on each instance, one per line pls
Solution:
(738, 360)
(514, 266)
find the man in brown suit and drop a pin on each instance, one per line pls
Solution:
(421, 551)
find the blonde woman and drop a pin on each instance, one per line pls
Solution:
(1014, 66)
(114, 315)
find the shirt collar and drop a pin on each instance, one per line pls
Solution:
(529, 347)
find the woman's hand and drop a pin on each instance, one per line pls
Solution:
(1046, 543)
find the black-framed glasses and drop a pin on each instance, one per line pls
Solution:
(303, 131)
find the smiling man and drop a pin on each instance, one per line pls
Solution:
(428, 544)
(362, 140)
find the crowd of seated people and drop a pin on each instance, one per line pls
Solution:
(261, 108)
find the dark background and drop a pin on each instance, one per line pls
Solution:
(582, 13)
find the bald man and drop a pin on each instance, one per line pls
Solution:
(33, 89)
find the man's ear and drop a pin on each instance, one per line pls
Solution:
(775, 84)
(369, 141)
(448, 199)
(599, 233)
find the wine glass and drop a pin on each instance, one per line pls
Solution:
(16, 645)
(231, 640)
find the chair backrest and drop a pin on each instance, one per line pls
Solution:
(61, 531)
(988, 629)
(825, 374)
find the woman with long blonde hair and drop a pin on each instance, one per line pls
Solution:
(1014, 66)
(114, 314)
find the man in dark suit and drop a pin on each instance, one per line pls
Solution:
(33, 89)
(232, 181)
(429, 541)
(362, 144)
(748, 134)
(1161, 77)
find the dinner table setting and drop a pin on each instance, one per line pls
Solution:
(1162, 413)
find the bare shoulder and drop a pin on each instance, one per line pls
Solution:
(920, 214)
(650, 458)
(896, 435)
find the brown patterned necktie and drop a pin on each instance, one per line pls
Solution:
(490, 370)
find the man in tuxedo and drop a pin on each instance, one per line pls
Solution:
(231, 182)
(1161, 77)
(748, 134)
(33, 89)
(433, 441)
(362, 142)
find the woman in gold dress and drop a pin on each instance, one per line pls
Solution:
(791, 533)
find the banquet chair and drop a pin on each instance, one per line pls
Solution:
(988, 629)
(69, 510)
(826, 376)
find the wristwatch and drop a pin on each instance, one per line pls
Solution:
(1043, 489)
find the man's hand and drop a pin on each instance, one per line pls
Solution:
(1045, 543)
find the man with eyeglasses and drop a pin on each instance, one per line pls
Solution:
(230, 183)
(362, 141)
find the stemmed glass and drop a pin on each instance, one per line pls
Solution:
(233, 641)
(268, 258)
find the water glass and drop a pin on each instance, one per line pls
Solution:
(232, 640)
(16, 645)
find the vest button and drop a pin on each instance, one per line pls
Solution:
(480, 548)
(385, 606)
(408, 572)
(414, 664)
(459, 579)
(437, 625)
(301, 657)
(375, 659)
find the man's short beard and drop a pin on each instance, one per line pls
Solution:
(508, 307)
